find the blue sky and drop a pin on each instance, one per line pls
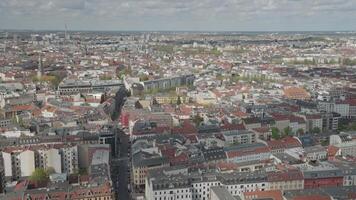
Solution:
(195, 15)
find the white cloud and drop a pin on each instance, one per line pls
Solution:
(188, 13)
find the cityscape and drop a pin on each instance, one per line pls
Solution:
(171, 114)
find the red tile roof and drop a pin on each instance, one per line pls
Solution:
(245, 152)
(285, 143)
(332, 150)
(17, 108)
(186, 128)
(313, 116)
(272, 194)
(287, 175)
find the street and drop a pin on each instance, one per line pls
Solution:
(120, 175)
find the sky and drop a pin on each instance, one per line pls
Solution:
(179, 15)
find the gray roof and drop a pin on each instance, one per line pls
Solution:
(148, 160)
(222, 193)
(323, 174)
(336, 192)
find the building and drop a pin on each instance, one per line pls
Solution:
(18, 163)
(71, 87)
(345, 143)
(198, 185)
(315, 153)
(313, 121)
(247, 152)
(50, 158)
(69, 156)
(239, 136)
(291, 179)
(142, 162)
(40, 69)
(330, 121)
(168, 83)
(270, 195)
(279, 146)
(323, 175)
(296, 93)
(220, 193)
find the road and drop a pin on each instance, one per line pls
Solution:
(120, 174)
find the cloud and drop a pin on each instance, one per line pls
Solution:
(200, 14)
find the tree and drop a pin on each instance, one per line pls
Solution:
(83, 171)
(155, 102)
(300, 131)
(275, 133)
(353, 126)
(316, 130)
(197, 120)
(39, 175)
(219, 77)
(103, 98)
(179, 101)
(287, 131)
(144, 77)
(50, 170)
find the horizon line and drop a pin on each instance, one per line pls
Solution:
(191, 31)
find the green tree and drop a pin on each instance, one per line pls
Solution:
(50, 170)
(300, 131)
(275, 133)
(219, 77)
(179, 101)
(144, 77)
(316, 130)
(353, 126)
(197, 120)
(287, 131)
(39, 175)
(83, 171)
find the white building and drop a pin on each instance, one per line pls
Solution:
(19, 163)
(198, 186)
(69, 157)
(7, 164)
(26, 161)
(50, 158)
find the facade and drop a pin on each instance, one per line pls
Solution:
(69, 157)
(248, 152)
(142, 162)
(50, 158)
(71, 87)
(347, 149)
(323, 178)
(315, 153)
(168, 83)
(198, 186)
(24, 163)
(20, 163)
(286, 180)
(330, 121)
(313, 121)
(239, 136)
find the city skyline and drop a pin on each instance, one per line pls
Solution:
(159, 15)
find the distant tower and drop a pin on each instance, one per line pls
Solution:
(66, 34)
(5, 42)
(40, 70)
